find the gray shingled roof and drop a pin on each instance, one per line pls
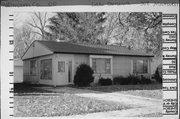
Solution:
(73, 48)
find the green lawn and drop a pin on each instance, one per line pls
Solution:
(148, 90)
(60, 105)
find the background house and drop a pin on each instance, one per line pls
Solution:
(18, 71)
(55, 63)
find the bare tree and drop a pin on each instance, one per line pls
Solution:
(146, 27)
(111, 26)
(39, 22)
(23, 37)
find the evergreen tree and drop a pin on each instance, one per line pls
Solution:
(77, 27)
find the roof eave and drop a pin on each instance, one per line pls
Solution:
(105, 54)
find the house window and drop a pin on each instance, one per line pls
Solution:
(101, 65)
(33, 67)
(46, 69)
(140, 66)
(94, 64)
(61, 66)
(107, 66)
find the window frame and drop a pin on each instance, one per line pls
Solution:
(108, 70)
(45, 78)
(64, 67)
(134, 67)
(94, 67)
(31, 72)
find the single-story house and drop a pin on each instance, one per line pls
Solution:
(55, 63)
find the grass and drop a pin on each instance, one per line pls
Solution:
(21, 89)
(48, 103)
(60, 105)
(145, 93)
(32, 102)
(148, 90)
(152, 115)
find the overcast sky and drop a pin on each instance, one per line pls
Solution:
(21, 18)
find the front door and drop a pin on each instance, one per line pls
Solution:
(64, 72)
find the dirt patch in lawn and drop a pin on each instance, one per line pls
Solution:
(61, 105)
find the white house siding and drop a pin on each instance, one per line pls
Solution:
(122, 66)
(36, 49)
(58, 78)
(35, 79)
(80, 59)
(61, 78)
(27, 77)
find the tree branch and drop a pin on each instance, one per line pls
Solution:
(36, 33)
(120, 19)
(45, 18)
(35, 26)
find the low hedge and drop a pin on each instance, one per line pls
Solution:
(120, 80)
(134, 79)
(105, 81)
(131, 80)
(145, 80)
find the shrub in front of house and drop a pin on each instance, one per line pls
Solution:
(105, 81)
(84, 75)
(120, 80)
(144, 80)
(158, 74)
(133, 79)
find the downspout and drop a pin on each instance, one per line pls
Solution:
(150, 60)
